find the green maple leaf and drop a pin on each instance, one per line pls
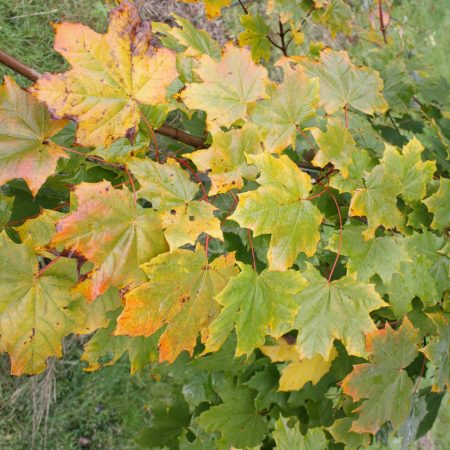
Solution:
(226, 158)
(236, 419)
(37, 308)
(342, 83)
(361, 163)
(105, 349)
(336, 145)
(292, 103)
(280, 207)
(259, 304)
(438, 351)
(438, 204)
(341, 432)
(413, 173)
(179, 293)
(336, 310)
(171, 192)
(414, 279)
(113, 232)
(379, 255)
(336, 17)
(378, 201)
(383, 383)
(25, 129)
(436, 251)
(287, 10)
(425, 275)
(227, 86)
(289, 437)
(255, 36)
(194, 42)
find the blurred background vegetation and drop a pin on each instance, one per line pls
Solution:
(66, 408)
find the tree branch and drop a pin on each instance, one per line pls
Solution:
(164, 130)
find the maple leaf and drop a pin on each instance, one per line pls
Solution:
(227, 87)
(193, 41)
(111, 75)
(413, 173)
(336, 17)
(438, 205)
(179, 293)
(38, 231)
(213, 8)
(438, 351)
(423, 275)
(37, 308)
(299, 371)
(259, 304)
(291, 104)
(360, 164)
(171, 192)
(287, 10)
(336, 145)
(341, 432)
(342, 83)
(379, 255)
(105, 349)
(336, 310)
(237, 412)
(383, 383)
(413, 279)
(289, 438)
(255, 36)
(226, 158)
(280, 207)
(111, 231)
(377, 201)
(25, 129)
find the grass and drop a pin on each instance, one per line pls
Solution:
(100, 410)
(25, 30)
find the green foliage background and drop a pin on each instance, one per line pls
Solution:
(105, 410)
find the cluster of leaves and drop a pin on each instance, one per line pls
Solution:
(287, 279)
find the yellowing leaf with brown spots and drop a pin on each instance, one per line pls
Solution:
(280, 207)
(342, 83)
(227, 86)
(111, 75)
(179, 293)
(226, 158)
(111, 231)
(171, 192)
(37, 308)
(299, 371)
(25, 128)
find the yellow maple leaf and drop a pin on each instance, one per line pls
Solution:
(111, 75)
(299, 371)
(227, 87)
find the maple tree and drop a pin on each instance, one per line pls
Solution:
(283, 260)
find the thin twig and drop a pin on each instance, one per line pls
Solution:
(155, 142)
(243, 7)
(382, 27)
